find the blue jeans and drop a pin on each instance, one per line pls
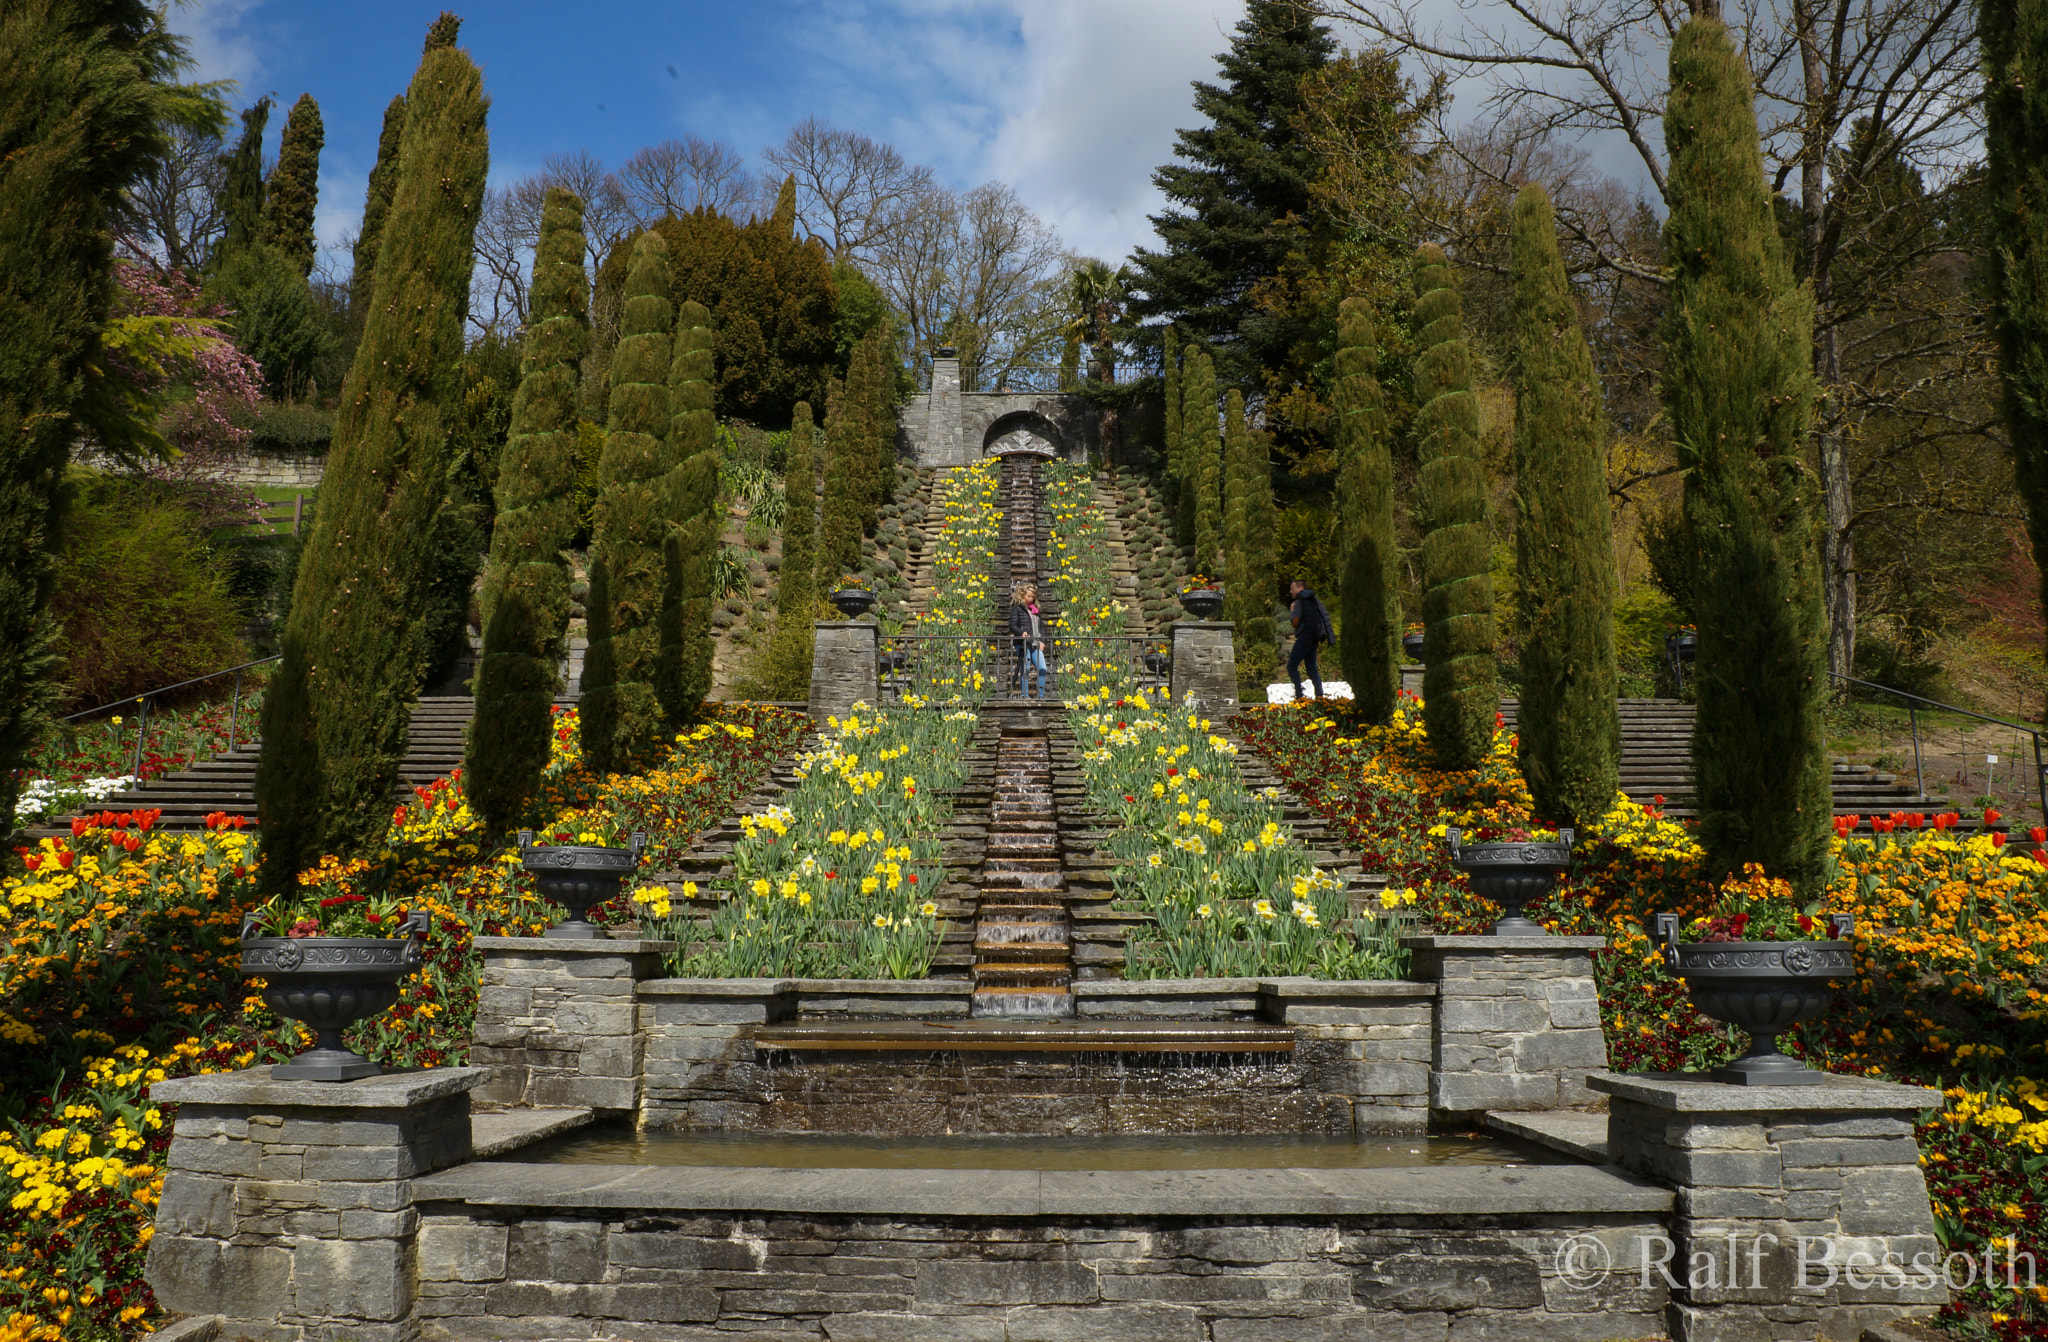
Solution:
(1030, 663)
(1304, 650)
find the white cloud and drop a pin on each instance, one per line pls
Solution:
(225, 42)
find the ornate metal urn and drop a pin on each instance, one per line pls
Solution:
(330, 983)
(577, 876)
(1514, 875)
(853, 601)
(1202, 602)
(1762, 987)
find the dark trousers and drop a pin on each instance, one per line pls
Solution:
(1304, 650)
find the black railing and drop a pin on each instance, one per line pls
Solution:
(1913, 704)
(145, 699)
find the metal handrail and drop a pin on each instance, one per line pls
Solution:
(142, 721)
(1913, 718)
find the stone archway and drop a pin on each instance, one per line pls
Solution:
(1023, 431)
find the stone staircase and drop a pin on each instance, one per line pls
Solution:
(227, 782)
(1023, 942)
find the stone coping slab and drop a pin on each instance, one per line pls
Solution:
(254, 1087)
(564, 947)
(1504, 944)
(998, 1035)
(1683, 1092)
(1576, 1132)
(1433, 1193)
(494, 1132)
(1168, 987)
(716, 987)
(1301, 986)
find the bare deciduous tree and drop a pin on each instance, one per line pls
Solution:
(173, 216)
(509, 228)
(678, 176)
(1844, 87)
(851, 191)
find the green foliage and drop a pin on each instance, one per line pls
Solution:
(294, 188)
(141, 600)
(241, 192)
(1249, 520)
(683, 675)
(292, 429)
(336, 714)
(839, 520)
(628, 576)
(362, 280)
(1460, 689)
(1569, 725)
(1201, 487)
(2016, 208)
(525, 599)
(797, 584)
(1172, 433)
(275, 319)
(1369, 598)
(863, 307)
(772, 304)
(1669, 549)
(590, 438)
(82, 110)
(1308, 544)
(1738, 391)
(781, 669)
(1231, 191)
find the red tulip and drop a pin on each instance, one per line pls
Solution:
(1998, 838)
(2039, 833)
(1990, 816)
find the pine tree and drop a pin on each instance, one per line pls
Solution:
(1460, 690)
(1370, 591)
(241, 192)
(628, 576)
(839, 517)
(2015, 38)
(525, 599)
(684, 677)
(82, 111)
(796, 587)
(1172, 429)
(1205, 469)
(1737, 336)
(294, 188)
(362, 282)
(336, 715)
(1569, 722)
(1235, 181)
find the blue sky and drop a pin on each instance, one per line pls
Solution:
(1073, 102)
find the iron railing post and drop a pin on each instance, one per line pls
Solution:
(234, 712)
(141, 736)
(1919, 779)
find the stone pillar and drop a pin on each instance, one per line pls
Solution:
(942, 443)
(1517, 1021)
(1792, 1203)
(1205, 664)
(555, 1021)
(287, 1205)
(843, 667)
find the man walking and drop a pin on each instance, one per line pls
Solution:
(1311, 626)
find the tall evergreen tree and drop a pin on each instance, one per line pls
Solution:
(1236, 448)
(525, 599)
(1172, 426)
(2015, 38)
(1739, 390)
(1202, 491)
(82, 111)
(796, 588)
(1370, 586)
(839, 515)
(1250, 520)
(336, 715)
(294, 187)
(1235, 181)
(882, 408)
(628, 575)
(684, 677)
(241, 191)
(362, 282)
(1460, 688)
(1569, 722)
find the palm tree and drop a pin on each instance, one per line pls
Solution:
(1095, 302)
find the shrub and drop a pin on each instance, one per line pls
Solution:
(140, 598)
(291, 430)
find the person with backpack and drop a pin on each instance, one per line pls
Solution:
(1029, 632)
(1311, 626)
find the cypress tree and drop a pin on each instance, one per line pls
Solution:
(241, 192)
(628, 576)
(294, 188)
(336, 715)
(82, 109)
(1172, 432)
(1370, 588)
(1235, 449)
(362, 282)
(1569, 723)
(1201, 491)
(797, 583)
(882, 410)
(684, 677)
(839, 518)
(1460, 690)
(1739, 395)
(525, 599)
(2015, 38)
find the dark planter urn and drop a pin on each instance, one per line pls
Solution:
(1411, 647)
(1155, 663)
(330, 983)
(853, 601)
(1514, 875)
(1762, 987)
(577, 876)
(1203, 602)
(1682, 647)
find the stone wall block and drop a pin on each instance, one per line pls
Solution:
(1007, 1283)
(550, 1250)
(355, 1279)
(206, 1276)
(462, 1251)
